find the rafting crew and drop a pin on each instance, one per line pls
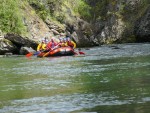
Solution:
(51, 45)
(42, 46)
(70, 43)
(63, 42)
(46, 46)
(64, 47)
(60, 43)
(66, 41)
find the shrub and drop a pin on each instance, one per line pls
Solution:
(40, 8)
(10, 17)
(83, 9)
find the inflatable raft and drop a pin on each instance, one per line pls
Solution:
(62, 51)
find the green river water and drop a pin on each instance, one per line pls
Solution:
(106, 80)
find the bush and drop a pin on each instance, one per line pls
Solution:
(40, 8)
(10, 17)
(83, 9)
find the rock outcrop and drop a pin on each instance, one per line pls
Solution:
(7, 46)
(112, 22)
(142, 27)
(20, 41)
(122, 21)
(26, 50)
(16, 44)
(81, 32)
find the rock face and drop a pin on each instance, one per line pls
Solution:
(7, 46)
(122, 21)
(21, 41)
(112, 30)
(26, 50)
(81, 32)
(113, 21)
(16, 44)
(142, 27)
(36, 27)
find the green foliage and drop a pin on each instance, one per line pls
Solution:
(83, 9)
(53, 8)
(99, 9)
(10, 17)
(60, 17)
(40, 8)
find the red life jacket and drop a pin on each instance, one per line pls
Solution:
(50, 45)
(69, 43)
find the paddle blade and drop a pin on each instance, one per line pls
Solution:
(81, 53)
(37, 53)
(75, 53)
(29, 54)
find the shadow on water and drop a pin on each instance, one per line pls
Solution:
(105, 80)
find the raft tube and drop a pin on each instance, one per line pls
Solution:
(62, 51)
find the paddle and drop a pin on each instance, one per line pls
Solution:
(46, 54)
(31, 54)
(81, 53)
(37, 53)
(75, 52)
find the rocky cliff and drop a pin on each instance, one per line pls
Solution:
(142, 27)
(88, 23)
(121, 21)
(112, 22)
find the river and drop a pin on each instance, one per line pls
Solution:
(108, 79)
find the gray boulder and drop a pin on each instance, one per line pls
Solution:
(81, 33)
(20, 41)
(7, 46)
(25, 50)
